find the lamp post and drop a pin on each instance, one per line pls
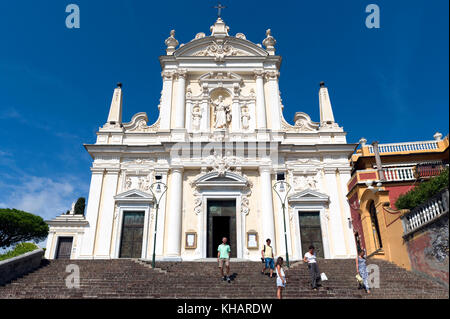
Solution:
(161, 189)
(283, 205)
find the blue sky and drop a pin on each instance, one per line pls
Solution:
(388, 84)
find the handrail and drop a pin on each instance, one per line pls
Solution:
(422, 215)
(406, 147)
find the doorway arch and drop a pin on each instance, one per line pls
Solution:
(375, 225)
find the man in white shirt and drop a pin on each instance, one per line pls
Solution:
(311, 260)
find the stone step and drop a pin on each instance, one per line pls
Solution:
(199, 280)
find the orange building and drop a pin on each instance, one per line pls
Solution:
(374, 190)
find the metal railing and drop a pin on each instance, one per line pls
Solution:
(406, 147)
(425, 213)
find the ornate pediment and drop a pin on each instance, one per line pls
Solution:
(215, 178)
(309, 196)
(134, 195)
(303, 123)
(138, 124)
(219, 49)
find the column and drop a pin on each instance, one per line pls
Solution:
(236, 119)
(336, 238)
(87, 247)
(188, 119)
(274, 99)
(260, 101)
(206, 116)
(345, 175)
(180, 106)
(106, 215)
(166, 100)
(175, 212)
(48, 249)
(267, 215)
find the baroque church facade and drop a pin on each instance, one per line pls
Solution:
(227, 156)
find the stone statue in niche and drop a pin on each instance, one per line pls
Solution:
(222, 113)
(196, 117)
(245, 117)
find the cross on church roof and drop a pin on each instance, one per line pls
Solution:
(219, 8)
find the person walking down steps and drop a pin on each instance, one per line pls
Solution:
(281, 278)
(361, 270)
(223, 257)
(311, 260)
(268, 259)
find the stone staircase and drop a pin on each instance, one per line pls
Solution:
(198, 280)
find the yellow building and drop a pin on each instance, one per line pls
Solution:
(374, 190)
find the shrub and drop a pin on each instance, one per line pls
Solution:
(20, 249)
(422, 193)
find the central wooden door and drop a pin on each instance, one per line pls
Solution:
(311, 232)
(132, 234)
(221, 223)
(64, 249)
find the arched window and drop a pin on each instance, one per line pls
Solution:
(375, 226)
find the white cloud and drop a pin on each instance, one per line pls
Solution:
(44, 196)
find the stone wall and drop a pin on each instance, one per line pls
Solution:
(356, 221)
(428, 250)
(15, 267)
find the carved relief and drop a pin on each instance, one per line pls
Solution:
(140, 182)
(139, 122)
(272, 75)
(196, 117)
(116, 211)
(220, 51)
(305, 182)
(144, 184)
(245, 205)
(128, 183)
(222, 164)
(198, 202)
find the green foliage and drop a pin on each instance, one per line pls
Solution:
(422, 193)
(17, 226)
(20, 249)
(80, 206)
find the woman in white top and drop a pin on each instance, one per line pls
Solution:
(311, 260)
(281, 278)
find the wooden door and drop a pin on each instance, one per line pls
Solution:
(132, 234)
(64, 249)
(311, 232)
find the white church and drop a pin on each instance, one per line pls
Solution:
(217, 163)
